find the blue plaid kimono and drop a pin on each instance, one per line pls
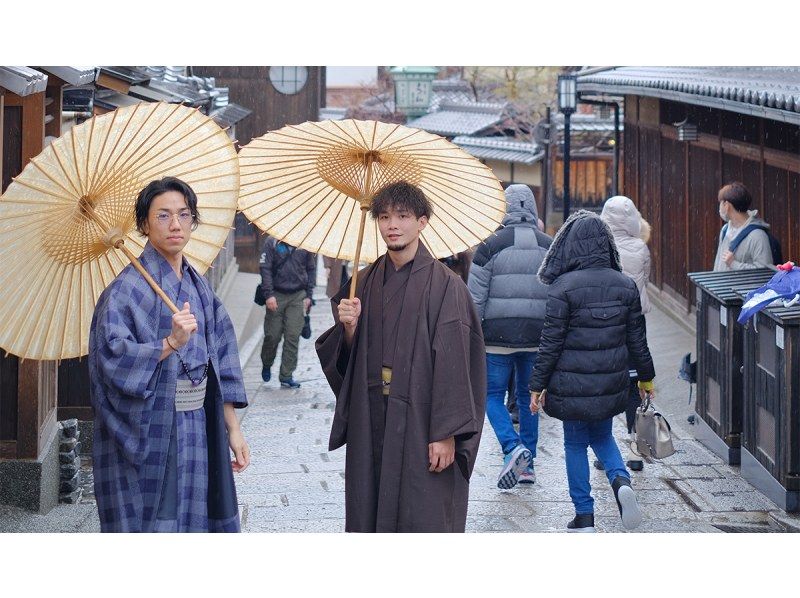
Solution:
(133, 395)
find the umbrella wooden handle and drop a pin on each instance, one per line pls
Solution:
(354, 281)
(138, 265)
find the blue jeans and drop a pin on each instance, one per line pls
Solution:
(578, 435)
(498, 373)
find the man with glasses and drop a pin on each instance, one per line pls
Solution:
(164, 386)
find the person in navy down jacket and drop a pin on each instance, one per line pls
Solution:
(593, 329)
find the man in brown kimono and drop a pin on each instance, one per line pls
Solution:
(409, 374)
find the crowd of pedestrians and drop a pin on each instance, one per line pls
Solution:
(424, 352)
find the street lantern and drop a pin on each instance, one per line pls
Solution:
(567, 93)
(567, 104)
(413, 88)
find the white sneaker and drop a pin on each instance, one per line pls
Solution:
(626, 502)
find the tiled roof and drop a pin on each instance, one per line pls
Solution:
(332, 113)
(500, 148)
(460, 118)
(588, 123)
(769, 92)
(229, 115)
(450, 90)
(111, 100)
(444, 91)
(74, 75)
(22, 80)
(152, 94)
(188, 93)
(128, 74)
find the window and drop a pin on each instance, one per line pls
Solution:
(288, 79)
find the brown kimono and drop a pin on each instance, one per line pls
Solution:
(438, 390)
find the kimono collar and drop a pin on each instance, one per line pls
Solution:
(422, 258)
(156, 264)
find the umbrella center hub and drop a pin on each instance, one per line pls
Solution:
(86, 206)
(345, 168)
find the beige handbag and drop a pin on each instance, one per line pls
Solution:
(653, 436)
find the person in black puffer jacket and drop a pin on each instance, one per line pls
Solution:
(593, 329)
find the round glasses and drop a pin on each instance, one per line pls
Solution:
(184, 218)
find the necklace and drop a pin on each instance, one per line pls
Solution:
(188, 375)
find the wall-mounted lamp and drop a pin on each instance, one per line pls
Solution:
(687, 131)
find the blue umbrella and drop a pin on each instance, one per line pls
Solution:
(783, 288)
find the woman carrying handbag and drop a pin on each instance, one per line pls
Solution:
(593, 330)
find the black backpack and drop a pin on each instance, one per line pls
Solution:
(774, 244)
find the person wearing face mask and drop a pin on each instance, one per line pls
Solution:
(751, 251)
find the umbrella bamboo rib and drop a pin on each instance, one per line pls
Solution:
(342, 137)
(461, 213)
(201, 167)
(100, 154)
(479, 198)
(412, 133)
(286, 201)
(295, 144)
(474, 178)
(32, 291)
(75, 158)
(301, 182)
(328, 142)
(342, 206)
(32, 187)
(251, 165)
(347, 228)
(139, 143)
(55, 145)
(443, 223)
(167, 146)
(307, 213)
(130, 141)
(101, 172)
(40, 168)
(48, 316)
(381, 146)
(88, 154)
(310, 166)
(143, 171)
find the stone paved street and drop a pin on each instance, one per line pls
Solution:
(295, 485)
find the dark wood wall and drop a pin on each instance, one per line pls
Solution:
(250, 86)
(27, 389)
(675, 183)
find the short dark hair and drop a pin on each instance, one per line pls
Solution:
(737, 195)
(156, 188)
(401, 195)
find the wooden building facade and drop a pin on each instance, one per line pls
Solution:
(278, 96)
(748, 122)
(27, 388)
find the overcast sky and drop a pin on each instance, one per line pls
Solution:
(351, 75)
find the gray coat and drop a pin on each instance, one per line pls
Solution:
(508, 296)
(753, 252)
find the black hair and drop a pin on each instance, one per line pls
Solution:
(401, 195)
(156, 188)
(737, 195)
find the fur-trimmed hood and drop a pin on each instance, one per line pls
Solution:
(584, 241)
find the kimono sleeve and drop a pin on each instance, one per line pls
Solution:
(455, 410)
(125, 364)
(231, 383)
